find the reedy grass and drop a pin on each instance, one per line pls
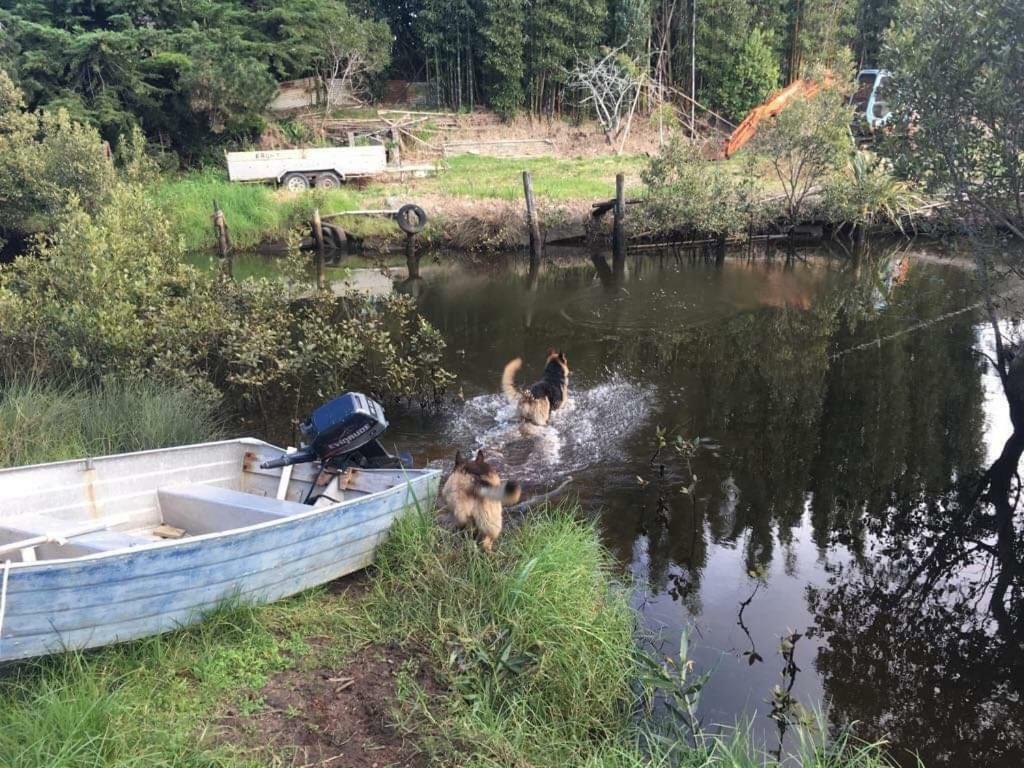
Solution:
(46, 422)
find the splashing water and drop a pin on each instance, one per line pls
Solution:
(591, 428)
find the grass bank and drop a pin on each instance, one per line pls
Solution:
(46, 422)
(258, 213)
(529, 660)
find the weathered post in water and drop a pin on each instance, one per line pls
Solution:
(412, 259)
(532, 224)
(619, 226)
(220, 230)
(318, 242)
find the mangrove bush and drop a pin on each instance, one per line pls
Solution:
(111, 298)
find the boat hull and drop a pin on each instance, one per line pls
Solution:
(87, 602)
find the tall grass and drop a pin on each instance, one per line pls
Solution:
(255, 212)
(44, 422)
(537, 640)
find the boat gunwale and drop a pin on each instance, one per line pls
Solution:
(421, 474)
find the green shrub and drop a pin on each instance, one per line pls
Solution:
(111, 298)
(806, 143)
(687, 191)
(866, 193)
(46, 158)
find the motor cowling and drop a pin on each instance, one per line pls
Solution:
(344, 433)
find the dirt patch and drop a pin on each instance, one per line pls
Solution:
(340, 718)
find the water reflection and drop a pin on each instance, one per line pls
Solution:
(845, 401)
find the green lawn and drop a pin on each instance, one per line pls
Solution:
(554, 179)
(256, 213)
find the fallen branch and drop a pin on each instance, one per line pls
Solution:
(534, 500)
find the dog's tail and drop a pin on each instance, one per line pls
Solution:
(507, 493)
(508, 380)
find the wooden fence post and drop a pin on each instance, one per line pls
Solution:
(220, 230)
(619, 227)
(536, 246)
(318, 242)
(412, 259)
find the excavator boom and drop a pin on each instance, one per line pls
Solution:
(778, 101)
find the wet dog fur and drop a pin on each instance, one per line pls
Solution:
(474, 494)
(536, 403)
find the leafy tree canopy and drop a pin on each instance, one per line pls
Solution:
(192, 74)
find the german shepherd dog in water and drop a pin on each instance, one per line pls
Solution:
(474, 494)
(536, 403)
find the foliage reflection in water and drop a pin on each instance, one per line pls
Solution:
(838, 406)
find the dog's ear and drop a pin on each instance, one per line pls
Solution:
(480, 457)
(552, 352)
(459, 459)
(561, 358)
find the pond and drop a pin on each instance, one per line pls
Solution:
(837, 407)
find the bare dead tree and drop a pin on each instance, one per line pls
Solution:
(611, 86)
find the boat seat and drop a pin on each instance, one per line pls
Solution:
(28, 526)
(199, 508)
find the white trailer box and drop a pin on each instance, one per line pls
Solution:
(298, 169)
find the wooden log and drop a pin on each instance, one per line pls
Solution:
(318, 240)
(619, 226)
(536, 244)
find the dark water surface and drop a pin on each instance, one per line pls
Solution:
(841, 403)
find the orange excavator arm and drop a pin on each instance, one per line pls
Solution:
(778, 101)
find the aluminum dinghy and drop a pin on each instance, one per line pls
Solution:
(103, 550)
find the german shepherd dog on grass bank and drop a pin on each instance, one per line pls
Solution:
(536, 403)
(474, 494)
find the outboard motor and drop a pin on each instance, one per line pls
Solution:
(344, 433)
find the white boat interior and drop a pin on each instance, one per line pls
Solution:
(74, 509)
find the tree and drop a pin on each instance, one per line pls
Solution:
(747, 80)
(350, 50)
(806, 144)
(964, 96)
(503, 65)
(192, 74)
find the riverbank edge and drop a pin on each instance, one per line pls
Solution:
(482, 226)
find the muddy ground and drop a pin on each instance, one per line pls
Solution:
(338, 716)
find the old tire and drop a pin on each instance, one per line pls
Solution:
(328, 181)
(334, 236)
(295, 182)
(411, 219)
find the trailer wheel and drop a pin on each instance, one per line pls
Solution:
(328, 181)
(411, 219)
(295, 182)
